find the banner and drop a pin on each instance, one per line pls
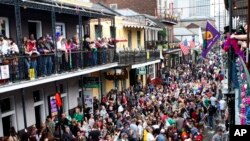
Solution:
(4, 72)
(211, 36)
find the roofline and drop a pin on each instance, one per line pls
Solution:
(118, 14)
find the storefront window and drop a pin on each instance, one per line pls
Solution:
(4, 27)
(151, 71)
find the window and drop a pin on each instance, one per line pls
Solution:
(77, 30)
(129, 39)
(4, 26)
(151, 71)
(139, 39)
(98, 31)
(61, 88)
(6, 105)
(112, 31)
(60, 29)
(36, 96)
(113, 6)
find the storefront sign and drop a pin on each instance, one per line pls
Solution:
(90, 82)
(142, 70)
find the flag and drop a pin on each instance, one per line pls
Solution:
(184, 47)
(211, 36)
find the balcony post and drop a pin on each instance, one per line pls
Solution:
(53, 25)
(18, 23)
(80, 38)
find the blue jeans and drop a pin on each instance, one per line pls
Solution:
(94, 58)
(210, 121)
(46, 63)
(104, 55)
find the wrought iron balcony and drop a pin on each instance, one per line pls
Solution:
(136, 57)
(167, 18)
(16, 68)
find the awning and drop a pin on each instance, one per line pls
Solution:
(134, 26)
(145, 64)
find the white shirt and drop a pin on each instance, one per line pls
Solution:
(222, 104)
(4, 48)
(213, 100)
(150, 137)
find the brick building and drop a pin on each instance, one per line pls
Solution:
(146, 7)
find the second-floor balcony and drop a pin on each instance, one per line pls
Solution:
(17, 68)
(137, 57)
(167, 18)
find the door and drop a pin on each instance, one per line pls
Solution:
(35, 27)
(132, 77)
(32, 29)
(38, 116)
(6, 125)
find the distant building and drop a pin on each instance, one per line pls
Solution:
(162, 9)
(189, 8)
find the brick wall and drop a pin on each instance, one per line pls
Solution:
(140, 6)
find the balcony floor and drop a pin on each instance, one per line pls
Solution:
(55, 77)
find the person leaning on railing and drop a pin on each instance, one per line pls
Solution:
(31, 51)
(75, 48)
(62, 53)
(87, 51)
(49, 46)
(13, 53)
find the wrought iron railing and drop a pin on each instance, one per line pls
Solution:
(136, 57)
(15, 68)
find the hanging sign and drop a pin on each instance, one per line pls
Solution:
(142, 70)
(4, 72)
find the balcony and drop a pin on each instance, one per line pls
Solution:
(167, 18)
(138, 57)
(39, 69)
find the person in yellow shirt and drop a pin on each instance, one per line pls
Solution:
(145, 135)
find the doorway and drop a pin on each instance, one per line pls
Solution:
(38, 116)
(132, 77)
(35, 28)
(6, 125)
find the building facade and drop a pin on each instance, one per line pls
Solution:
(25, 101)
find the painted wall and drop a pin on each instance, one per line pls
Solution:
(121, 32)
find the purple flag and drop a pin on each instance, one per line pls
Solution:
(211, 36)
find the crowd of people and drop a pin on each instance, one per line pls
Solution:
(188, 103)
(42, 57)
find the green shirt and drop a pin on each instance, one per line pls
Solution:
(78, 117)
